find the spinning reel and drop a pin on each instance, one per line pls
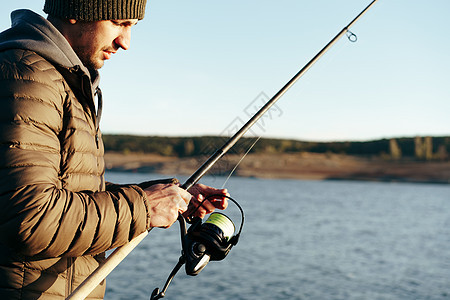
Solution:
(203, 242)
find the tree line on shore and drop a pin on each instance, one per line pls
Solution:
(417, 148)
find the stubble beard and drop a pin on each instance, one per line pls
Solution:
(91, 60)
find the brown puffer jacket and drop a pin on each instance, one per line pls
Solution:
(56, 218)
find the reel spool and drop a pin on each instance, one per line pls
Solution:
(211, 240)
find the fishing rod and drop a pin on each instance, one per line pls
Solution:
(233, 140)
(113, 260)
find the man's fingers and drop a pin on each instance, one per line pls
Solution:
(182, 205)
(185, 195)
(208, 206)
(184, 201)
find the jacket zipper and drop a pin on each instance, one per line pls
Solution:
(98, 114)
(70, 275)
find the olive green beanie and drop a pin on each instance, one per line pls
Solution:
(96, 10)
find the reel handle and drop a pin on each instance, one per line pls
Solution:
(156, 294)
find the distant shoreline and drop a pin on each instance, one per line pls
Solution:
(308, 166)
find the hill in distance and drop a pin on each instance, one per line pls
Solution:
(418, 159)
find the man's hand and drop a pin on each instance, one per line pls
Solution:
(200, 192)
(166, 201)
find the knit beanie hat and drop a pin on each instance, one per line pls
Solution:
(96, 10)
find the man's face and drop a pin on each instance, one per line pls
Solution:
(95, 42)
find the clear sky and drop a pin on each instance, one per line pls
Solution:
(200, 67)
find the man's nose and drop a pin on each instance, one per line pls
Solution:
(124, 39)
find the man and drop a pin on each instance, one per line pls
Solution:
(57, 215)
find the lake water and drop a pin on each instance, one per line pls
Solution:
(308, 240)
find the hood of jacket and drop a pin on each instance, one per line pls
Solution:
(31, 31)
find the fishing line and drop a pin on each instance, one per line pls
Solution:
(201, 204)
(242, 158)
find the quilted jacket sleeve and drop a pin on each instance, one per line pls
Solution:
(38, 216)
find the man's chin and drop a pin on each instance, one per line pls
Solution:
(100, 65)
(94, 64)
(97, 64)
